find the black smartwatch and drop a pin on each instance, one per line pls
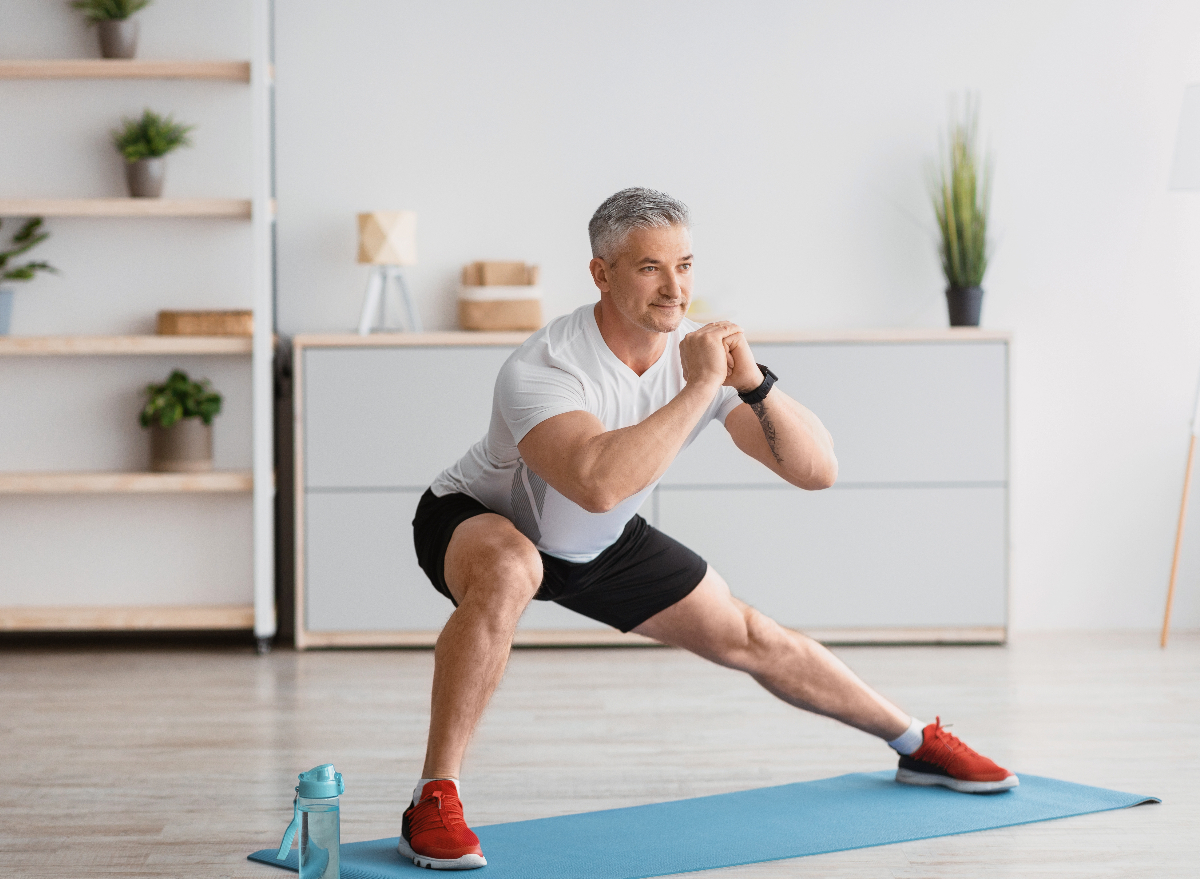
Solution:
(756, 395)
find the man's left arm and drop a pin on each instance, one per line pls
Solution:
(777, 431)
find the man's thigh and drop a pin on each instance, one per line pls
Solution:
(709, 621)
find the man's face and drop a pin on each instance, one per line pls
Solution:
(649, 280)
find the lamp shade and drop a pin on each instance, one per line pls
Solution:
(1185, 172)
(388, 238)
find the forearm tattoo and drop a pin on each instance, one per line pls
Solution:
(768, 427)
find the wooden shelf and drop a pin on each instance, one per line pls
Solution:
(123, 345)
(114, 68)
(126, 483)
(227, 208)
(168, 618)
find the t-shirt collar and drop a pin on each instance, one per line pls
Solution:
(598, 339)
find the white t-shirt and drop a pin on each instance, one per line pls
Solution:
(564, 367)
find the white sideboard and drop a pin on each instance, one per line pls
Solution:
(910, 545)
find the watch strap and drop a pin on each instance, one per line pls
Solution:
(757, 395)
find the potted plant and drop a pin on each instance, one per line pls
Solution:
(179, 414)
(143, 142)
(113, 18)
(25, 239)
(961, 194)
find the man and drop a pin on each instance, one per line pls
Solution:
(587, 416)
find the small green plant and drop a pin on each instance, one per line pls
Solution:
(109, 10)
(960, 189)
(150, 136)
(179, 397)
(26, 238)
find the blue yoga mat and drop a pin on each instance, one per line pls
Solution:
(766, 824)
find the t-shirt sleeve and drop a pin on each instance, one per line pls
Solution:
(730, 401)
(529, 393)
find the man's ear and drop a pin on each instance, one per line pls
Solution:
(600, 274)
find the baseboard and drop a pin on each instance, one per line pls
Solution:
(524, 638)
(612, 638)
(911, 635)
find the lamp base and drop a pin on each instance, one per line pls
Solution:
(375, 311)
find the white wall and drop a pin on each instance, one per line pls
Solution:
(798, 133)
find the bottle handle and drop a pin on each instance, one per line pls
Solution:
(290, 833)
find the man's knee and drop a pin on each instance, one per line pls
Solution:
(759, 642)
(493, 564)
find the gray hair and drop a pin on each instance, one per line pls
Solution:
(633, 208)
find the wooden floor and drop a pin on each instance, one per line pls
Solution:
(169, 762)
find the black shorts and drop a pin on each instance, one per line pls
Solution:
(644, 572)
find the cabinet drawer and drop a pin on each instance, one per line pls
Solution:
(898, 412)
(393, 417)
(868, 557)
(361, 571)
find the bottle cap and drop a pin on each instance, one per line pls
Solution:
(321, 782)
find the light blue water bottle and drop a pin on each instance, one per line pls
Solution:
(315, 815)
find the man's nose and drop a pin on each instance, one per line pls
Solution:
(671, 287)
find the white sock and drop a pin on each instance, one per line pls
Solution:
(910, 739)
(424, 781)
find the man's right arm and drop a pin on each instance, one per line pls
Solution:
(598, 468)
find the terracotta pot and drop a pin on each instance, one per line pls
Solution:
(184, 447)
(118, 38)
(145, 177)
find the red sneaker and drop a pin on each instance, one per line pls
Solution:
(944, 759)
(434, 833)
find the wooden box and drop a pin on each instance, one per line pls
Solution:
(206, 323)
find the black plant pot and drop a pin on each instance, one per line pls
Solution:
(965, 304)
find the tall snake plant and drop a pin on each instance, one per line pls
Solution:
(961, 192)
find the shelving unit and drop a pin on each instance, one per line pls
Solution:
(259, 481)
(134, 68)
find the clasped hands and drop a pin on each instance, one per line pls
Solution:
(718, 354)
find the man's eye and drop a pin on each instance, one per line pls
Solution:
(686, 267)
(648, 268)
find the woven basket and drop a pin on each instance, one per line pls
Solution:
(500, 308)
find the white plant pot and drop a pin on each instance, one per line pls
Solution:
(6, 304)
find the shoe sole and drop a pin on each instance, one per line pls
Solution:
(908, 776)
(465, 862)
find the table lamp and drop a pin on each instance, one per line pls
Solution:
(1185, 175)
(387, 241)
